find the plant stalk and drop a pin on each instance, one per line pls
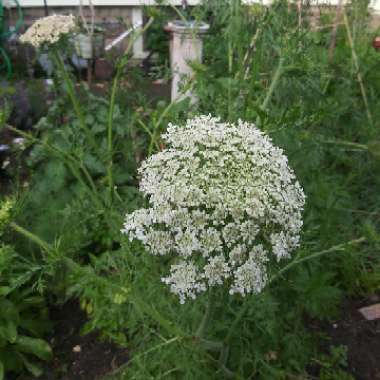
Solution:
(355, 60)
(276, 78)
(74, 100)
(115, 86)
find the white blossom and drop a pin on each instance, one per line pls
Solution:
(223, 200)
(216, 270)
(184, 280)
(249, 277)
(48, 30)
(237, 255)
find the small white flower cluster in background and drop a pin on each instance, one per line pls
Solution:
(48, 30)
(223, 203)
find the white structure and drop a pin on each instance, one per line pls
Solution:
(136, 7)
(186, 46)
(182, 46)
(137, 10)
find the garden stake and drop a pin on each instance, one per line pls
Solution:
(338, 16)
(357, 67)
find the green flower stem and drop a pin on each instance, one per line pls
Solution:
(276, 78)
(115, 85)
(46, 247)
(338, 247)
(230, 55)
(348, 144)
(110, 130)
(156, 126)
(245, 307)
(74, 100)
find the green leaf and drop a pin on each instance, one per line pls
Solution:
(4, 290)
(98, 128)
(33, 368)
(37, 347)
(8, 331)
(90, 119)
(102, 115)
(51, 178)
(36, 326)
(8, 310)
(94, 164)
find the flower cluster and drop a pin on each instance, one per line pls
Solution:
(223, 203)
(48, 30)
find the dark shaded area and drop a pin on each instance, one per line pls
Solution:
(361, 337)
(78, 357)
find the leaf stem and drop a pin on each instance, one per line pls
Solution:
(355, 59)
(46, 247)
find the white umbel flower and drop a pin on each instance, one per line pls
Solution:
(184, 280)
(249, 277)
(225, 202)
(48, 30)
(216, 271)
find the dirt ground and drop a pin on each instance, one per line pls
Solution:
(79, 357)
(361, 337)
